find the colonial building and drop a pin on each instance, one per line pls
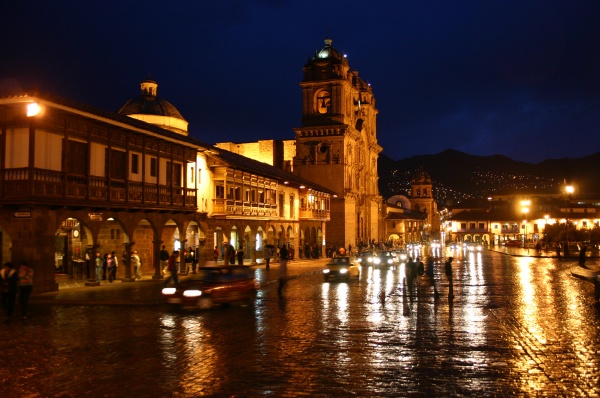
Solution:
(335, 146)
(76, 180)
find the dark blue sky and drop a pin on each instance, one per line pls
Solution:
(514, 77)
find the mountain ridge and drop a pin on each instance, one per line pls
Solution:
(457, 175)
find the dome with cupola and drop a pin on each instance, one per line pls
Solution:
(148, 107)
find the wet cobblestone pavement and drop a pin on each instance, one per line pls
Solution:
(518, 326)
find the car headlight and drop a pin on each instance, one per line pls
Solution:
(390, 261)
(325, 271)
(360, 260)
(192, 293)
(403, 257)
(343, 271)
(169, 290)
(376, 260)
(370, 259)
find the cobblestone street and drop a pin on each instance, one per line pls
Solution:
(518, 326)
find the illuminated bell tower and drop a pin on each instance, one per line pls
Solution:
(422, 200)
(336, 146)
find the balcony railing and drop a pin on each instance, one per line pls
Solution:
(230, 207)
(473, 230)
(313, 214)
(46, 186)
(510, 230)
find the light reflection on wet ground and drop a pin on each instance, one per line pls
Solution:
(517, 327)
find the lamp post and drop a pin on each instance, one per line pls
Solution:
(569, 189)
(525, 209)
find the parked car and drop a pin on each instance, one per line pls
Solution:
(213, 286)
(386, 258)
(512, 242)
(341, 268)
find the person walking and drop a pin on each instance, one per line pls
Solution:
(110, 265)
(582, 256)
(448, 271)
(9, 280)
(216, 254)
(137, 264)
(99, 267)
(115, 265)
(163, 255)
(172, 268)
(283, 258)
(240, 256)
(410, 272)
(429, 271)
(268, 255)
(25, 287)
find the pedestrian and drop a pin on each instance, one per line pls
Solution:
(582, 256)
(410, 271)
(9, 280)
(189, 259)
(115, 265)
(283, 258)
(105, 266)
(240, 256)
(172, 269)
(268, 255)
(136, 262)
(194, 260)
(429, 271)
(163, 255)
(99, 267)
(25, 287)
(448, 271)
(216, 254)
(110, 264)
(420, 272)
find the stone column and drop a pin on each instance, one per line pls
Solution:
(92, 280)
(156, 245)
(127, 260)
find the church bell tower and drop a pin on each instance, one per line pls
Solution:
(336, 146)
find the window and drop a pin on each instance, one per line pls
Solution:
(481, 225)
(77, 159)
(292, 213)
(153, 167)
(281, 204)
(135, 163)
(472, 225)
(220, 190)
(463, 225)
(116, 164)
(192, 174)
(174, 174)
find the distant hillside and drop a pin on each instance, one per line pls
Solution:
(457, 175)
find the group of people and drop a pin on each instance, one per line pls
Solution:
(106, 266)
(415, 269)
(15, 281)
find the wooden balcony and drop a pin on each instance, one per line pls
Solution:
(230, 207)
(510, 230)
(313, 214)
(37, 186)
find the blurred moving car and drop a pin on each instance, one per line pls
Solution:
(341, 268)
(214, 286)
(512, 242)
(386, 258)
(474, 247)
(401, 254)
(366, 257)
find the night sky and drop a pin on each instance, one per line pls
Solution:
(514, 77)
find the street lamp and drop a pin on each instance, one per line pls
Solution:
(525, 209)
(569, 189)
